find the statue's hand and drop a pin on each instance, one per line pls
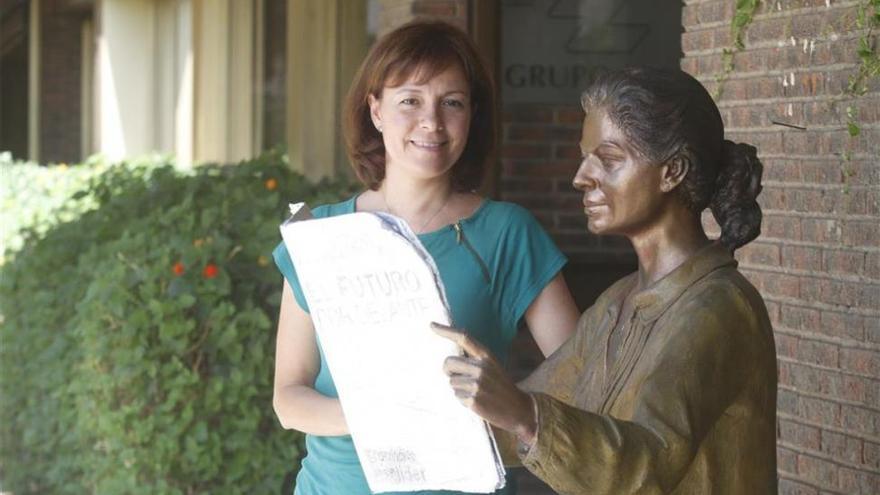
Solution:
(482, 385)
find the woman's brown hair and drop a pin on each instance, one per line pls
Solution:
(426, 48)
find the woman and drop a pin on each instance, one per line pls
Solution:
(419, 125)
(669, 383)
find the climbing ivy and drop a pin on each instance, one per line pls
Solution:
(742, 18)
(867, 20)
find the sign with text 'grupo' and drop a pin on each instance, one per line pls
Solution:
(551, 48)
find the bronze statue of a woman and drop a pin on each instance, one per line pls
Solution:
(669, 383)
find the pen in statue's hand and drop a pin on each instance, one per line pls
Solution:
(482, 385)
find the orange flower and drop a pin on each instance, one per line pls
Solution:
(210, 270)
(271, 184)
(178, 269)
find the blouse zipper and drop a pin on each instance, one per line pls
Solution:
(461, 239)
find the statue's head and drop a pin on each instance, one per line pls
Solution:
(666, 117)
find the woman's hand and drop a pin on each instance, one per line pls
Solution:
(482, 385)
(297, 362)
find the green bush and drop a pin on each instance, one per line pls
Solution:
(137, 336)
(33, 198)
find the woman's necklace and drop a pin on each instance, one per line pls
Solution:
(426, 222)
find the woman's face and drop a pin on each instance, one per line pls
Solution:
(622, 191)
(424, 126)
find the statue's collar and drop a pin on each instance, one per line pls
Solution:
(653, 300)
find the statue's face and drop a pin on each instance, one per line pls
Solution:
(622, 193)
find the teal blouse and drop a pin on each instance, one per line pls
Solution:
(493, 265)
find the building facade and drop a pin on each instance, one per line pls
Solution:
(204, 80)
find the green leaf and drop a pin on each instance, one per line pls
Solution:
(854, 129)
(865, 48)
(850, 112)
(179, 287)
(186, 300)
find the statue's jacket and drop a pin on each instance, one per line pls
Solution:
(687, 407)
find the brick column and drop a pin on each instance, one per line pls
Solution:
(817, 262)
(59, 93)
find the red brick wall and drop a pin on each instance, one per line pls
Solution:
(60, 60)
(539, 156)
(817, 262)
(274, 73)
(14, 80)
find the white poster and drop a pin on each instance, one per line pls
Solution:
(372, 291)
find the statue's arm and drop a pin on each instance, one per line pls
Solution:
(693, 380)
